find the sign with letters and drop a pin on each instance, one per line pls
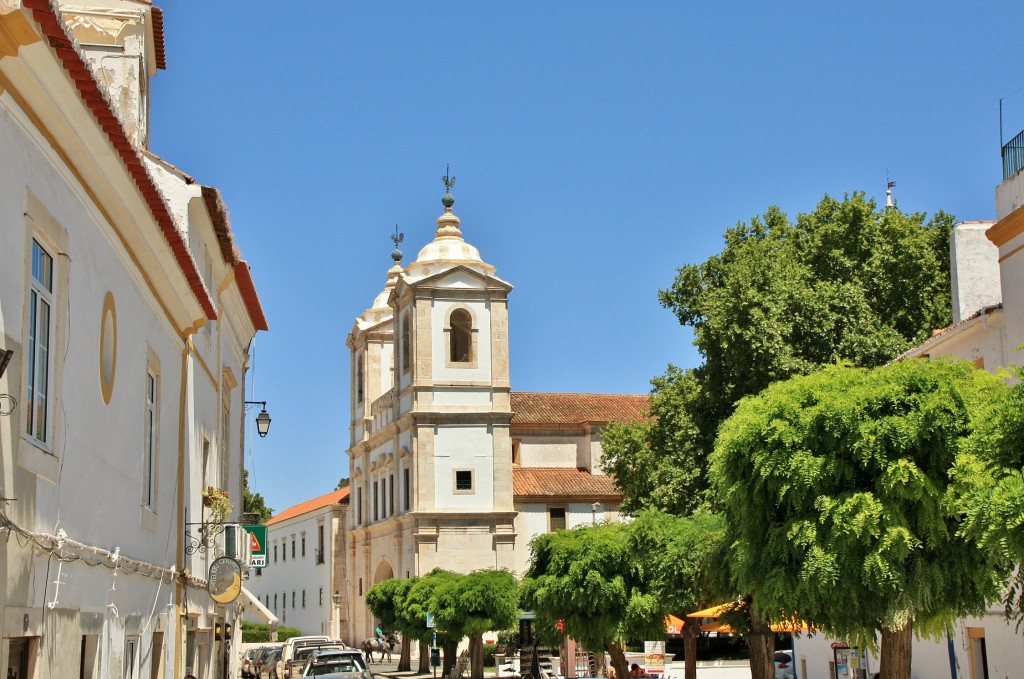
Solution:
(258, 541)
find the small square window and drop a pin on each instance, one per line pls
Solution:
(463, 481)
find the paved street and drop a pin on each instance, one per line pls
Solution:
(710, 670)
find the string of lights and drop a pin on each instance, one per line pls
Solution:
(66, 550)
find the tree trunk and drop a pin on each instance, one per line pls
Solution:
(424, 665)
(618, 657)
(450, 650)
(895, 661)
(476, 656)
(404, 660)
(762, 647)
(690, 631)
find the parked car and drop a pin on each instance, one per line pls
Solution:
(784, 667)
(248, 664)
(288, 651)
(337, 664)
(266, 664)
(305, 651)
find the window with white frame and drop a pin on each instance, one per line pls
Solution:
(40, 334)
(149, 444)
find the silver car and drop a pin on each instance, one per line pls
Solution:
(337, 664)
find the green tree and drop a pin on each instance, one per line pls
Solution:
(587, 578)
(387, 601)
(674, 558)
(343, 483)
(846, 282)
(253, 503)
(472, 604)
(837, 491)
(658, 462)
(989, 484)
(422, 599)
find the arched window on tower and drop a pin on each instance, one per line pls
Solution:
(406, 342)
(460, 337)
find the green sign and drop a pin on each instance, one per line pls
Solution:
(258, 540)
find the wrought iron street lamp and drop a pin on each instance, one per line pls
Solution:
(263, 419)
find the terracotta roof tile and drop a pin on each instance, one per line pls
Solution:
(551, 408)
(158, 36)
(561, 482)
(335, 497)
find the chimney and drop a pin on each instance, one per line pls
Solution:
(974, 269)
(122, 41)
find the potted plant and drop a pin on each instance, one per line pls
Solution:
(218, 502)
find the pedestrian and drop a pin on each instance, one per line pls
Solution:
(635, 671)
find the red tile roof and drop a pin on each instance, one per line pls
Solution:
(158, 37)
(78, 72)
(222, 227)
(335, 497)
(561, 482)
(550, 408)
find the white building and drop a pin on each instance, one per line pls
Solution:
(449, 467)
(306, 565)
(125, 320)
(987, 272)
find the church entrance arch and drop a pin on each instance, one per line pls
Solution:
(384, 572)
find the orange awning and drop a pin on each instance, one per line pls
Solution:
(714, 611)
(722, 628)
(674, 625)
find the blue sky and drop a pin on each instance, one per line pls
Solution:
(597, 146)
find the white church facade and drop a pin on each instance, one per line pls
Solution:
(449, 467)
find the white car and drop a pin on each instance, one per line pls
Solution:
(784, 667)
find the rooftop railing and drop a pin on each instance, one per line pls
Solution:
(1013, 156)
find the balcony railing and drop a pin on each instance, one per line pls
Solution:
(319, 554)
(382, 411)
(1013, 156)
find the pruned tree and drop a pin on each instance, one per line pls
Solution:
(388, 602)
(674, 555)
(989, 485)
(422, 599)
(837, 491)
(587, 578)
(475, 603)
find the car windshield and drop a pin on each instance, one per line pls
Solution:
(334, 667)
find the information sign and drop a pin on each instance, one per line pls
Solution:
(258, 540)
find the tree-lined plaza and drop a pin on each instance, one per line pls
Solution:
(801, 469)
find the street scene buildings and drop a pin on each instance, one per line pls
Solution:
(127, 317)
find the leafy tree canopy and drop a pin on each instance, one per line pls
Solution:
(253, 503)
(849, 469)
(658, 462)
(846, 282)
(989, 476)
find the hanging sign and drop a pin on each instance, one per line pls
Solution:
(258, 541)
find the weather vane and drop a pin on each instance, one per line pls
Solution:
(396, 254)
(449, 182)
